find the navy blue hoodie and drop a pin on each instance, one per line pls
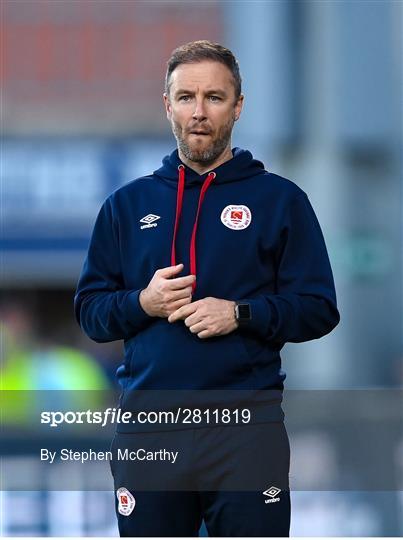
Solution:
(257, 239)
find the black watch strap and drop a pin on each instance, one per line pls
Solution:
(242, 313)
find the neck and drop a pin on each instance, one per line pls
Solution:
(203, 167)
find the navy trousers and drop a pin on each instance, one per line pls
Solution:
(235, 478)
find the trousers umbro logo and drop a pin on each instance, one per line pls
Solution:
(149, 220)
(272, 493)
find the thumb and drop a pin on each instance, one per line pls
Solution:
(170, 271)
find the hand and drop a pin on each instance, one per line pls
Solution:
(165, 294)
(207, 317)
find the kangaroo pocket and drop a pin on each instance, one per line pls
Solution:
(169, 356)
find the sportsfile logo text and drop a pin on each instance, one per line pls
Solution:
(181, 415)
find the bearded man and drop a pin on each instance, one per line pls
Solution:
(205, 269)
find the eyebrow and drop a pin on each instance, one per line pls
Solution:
(210, 92)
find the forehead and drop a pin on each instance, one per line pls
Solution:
(206, 74)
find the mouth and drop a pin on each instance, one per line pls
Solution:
(197, 132)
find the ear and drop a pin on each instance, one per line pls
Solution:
(168, 106)
(238, 107)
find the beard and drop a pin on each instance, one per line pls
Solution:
(208, 154)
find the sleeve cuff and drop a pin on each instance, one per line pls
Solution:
(260, 316)
(135, 313)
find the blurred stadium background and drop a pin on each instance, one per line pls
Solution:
(82, 114)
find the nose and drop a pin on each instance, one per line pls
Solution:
(199, 112)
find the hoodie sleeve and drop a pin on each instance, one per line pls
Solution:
(304, 307)
(104, 309)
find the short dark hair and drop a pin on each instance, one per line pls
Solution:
(197, 51)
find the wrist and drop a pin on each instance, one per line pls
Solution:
(233, 315)
(143, 301)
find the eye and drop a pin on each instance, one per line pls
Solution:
(215, 98)
(184, 98)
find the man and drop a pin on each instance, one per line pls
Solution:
(205, 269)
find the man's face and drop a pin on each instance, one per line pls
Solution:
(202, 109)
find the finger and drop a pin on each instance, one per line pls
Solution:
(179, 313)
(198, 327)
(178, 304)
(181, 282)
(204, 334)
(182, 312)
(181, 293)
(170, 271)
(193, 319)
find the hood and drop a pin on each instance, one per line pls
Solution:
(241, 166)
(179, 176)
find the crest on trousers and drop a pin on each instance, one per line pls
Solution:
(126, 501)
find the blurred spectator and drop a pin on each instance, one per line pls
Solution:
(27, 364)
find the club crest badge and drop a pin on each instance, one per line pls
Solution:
(236, 216)
(126, 501)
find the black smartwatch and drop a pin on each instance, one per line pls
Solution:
(242, 313)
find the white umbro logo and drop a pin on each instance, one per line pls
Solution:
(149, 221)
(272, 492)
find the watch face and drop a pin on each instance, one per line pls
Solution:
(243, 312)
